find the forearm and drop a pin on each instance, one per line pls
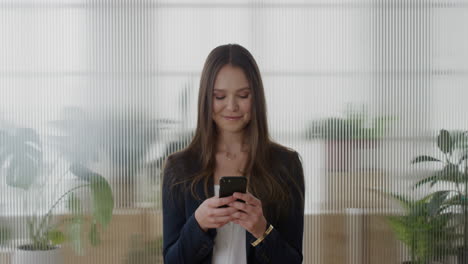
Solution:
(192, 245)
(275, 249)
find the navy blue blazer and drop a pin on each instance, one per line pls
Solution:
(185, 242)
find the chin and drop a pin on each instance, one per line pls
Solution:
(230, 128)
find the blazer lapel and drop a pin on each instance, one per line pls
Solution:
(200, 189)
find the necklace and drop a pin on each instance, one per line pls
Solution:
(230, 156)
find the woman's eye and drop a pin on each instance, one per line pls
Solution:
(219, 97)
(244, 96)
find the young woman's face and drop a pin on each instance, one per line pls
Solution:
(232, 99)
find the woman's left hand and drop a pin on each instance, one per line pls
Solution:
(250, 214)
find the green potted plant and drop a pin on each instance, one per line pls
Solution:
(425, 228)
(454, 170)
(124, 136)
(356, 130)
(21, 156)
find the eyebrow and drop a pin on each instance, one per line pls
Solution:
(241, 89)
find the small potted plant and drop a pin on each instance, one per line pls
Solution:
(21, 157)
(356, 130)
(453, 147)
(425, 228)
(124, 137)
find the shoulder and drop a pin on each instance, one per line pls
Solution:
(177, 158)
(181, 159)
(283, 154)
(180, 164)
(288, 161)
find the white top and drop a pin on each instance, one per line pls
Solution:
(229, 246)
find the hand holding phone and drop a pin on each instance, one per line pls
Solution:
(231, 184)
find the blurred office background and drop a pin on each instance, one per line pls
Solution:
(359, 88)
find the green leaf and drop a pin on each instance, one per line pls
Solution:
(450, 173)
(457, 200)
(74, 204)
(424, 158)
(444, 141)
(425, 180)
(463, 157)
(74, 235)
(56, 237)
(417, 228)
(436, 202)
(94, 236)
(21, 154)
(103, 200)
(22, 171)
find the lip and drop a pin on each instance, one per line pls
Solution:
(232, 117)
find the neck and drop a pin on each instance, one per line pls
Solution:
(231, 142)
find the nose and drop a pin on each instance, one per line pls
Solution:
(232, 105)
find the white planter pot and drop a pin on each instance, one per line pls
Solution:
(53, 256)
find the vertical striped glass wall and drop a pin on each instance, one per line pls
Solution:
(95, 94)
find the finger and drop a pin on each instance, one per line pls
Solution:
(245, 224)
(221, 219)
(224, 211)
(219, 225)
(248, 198)
(247, 208)
(217, 202)
(239, 215)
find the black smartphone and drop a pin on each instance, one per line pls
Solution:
(231, 184)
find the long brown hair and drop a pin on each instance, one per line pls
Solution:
(263, 182)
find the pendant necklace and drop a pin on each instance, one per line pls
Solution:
(230, 156)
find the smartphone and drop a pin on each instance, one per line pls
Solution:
(231, 184)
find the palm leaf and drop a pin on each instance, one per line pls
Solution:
(424, 158)
(450, 173)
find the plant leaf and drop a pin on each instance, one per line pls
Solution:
(94, 236)
(103, 201)
(450, 173)
(56, 237)
(22, 154)
(436, 202)
(444, 141)
(74, 204)
(425, 180)
(22, 172)
(74, 235)
(463, 157)
(423, 158)
(457, 200)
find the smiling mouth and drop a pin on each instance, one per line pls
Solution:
(232, 117)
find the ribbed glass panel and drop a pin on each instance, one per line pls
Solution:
(95, 94)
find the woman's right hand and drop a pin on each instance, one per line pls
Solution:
(208, 215)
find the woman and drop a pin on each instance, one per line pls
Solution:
(232, 139)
